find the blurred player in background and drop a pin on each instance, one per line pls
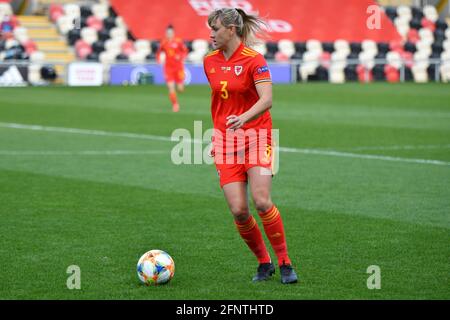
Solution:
(175, 52)
(241, 97)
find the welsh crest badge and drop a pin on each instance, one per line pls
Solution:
(238, 70)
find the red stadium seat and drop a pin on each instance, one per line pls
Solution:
(396, 45)
(83, 49)
(428, 24)
(55, 11)
(281, 57)
(325, 59)
(128, 47)
(392, 74)
(30, 47)
(408, 58)
(95, 23)
(413, 36)
(364, 74)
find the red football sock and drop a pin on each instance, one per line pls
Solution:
(173, 97)
(251, 234)
(273, 226)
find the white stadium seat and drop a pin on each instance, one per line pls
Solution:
(72, 10)
(286, 47)
(100, 10)
(430, 13)
(143, 46)
(260, 47)
(89, 35)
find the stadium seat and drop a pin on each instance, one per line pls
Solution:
(98, 47)
(364, 73)
(441, 24)
(413, 36)
(93, 57)
(404, 11)
(407, 58)
(394, 59)
(199, 49)
(30, 47)
(95, 23)
(309, 64)
(415, 23)
(428, 24)
(34, 73)
(73, 36)
(392, 74)
(100, 10)
(437, 48)
(383, 47)
(336, 75)
(342, 46)
(426, 35)
(72, 10)
(446, 45)
(367, 59)
(21, 34)
(85, 11)
(286, 47)
(417, 13)
(143, 47)
(351, 73)
(65, 24)
(339, 60)
(328, 47)
(83, 49)
(55, 11)
(37, 57)
(127, 48)
(314, 45)
(122, 57)
(261, 48)
(355, 47)
(5, 9)
(410, 47)
(89, 35)
(402, 25)
(430, 13)
(137, 57)
(120, 22)
(424, 47)
(107, 57)
(391, 12)
(378, 72)
(109, 23)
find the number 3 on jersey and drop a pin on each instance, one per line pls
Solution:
(224, 90)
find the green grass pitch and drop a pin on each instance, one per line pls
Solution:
(367, 183)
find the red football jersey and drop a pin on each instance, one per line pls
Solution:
(233, 87)
(175, 51)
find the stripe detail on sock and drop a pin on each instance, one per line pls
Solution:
(270, 216)
(247, 225)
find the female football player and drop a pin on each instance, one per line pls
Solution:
(241, 97)
(175, 52)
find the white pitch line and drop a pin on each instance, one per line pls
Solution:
(87, 132)
(363, 156)
(405, 147)
(162, 138)
(80, 153)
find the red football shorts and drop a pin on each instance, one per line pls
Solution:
(233, 167)
(174, 75)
